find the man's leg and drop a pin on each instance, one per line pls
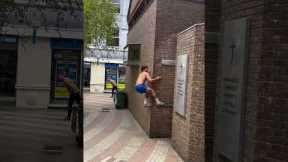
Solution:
(113, 91)
(153, 94)
(78, 99)
(70, 104)
(112, 94)
(79, 137)
(146, 98)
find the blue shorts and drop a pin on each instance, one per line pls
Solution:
(141, 88)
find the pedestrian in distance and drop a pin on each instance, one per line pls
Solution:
(114, 86)
(74, 93)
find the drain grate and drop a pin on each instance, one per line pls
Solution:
(53, 149)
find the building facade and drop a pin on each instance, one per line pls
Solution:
(38, 48)
(152, 41)
(109, 62)
(235, 93)
(251, 81)
(109, 66)
(237, 115)
(188, 124)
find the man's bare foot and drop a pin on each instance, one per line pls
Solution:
(147, 104)
(160, 103)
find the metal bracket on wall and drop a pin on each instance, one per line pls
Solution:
(168, 62)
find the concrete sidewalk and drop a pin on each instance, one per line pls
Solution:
(33, 135)
(114, 136)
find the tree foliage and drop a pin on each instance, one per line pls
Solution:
(99, 21)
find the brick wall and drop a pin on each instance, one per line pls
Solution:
(172, 18)
(253, 11)
(188, 132)
(265, 114)
(156, 31)
(271, 122)
(143, 32)
(160, 122)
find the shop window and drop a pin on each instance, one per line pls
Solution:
(121, 75)
(110, 73)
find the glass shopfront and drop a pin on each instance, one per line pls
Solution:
(65, 61)
(8, 65)
(111, 72)
(121, 77)
(66, 58)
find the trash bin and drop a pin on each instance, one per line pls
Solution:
(121, 100)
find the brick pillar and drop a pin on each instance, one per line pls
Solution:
(265, 119)
(156, 30)
(188, 131)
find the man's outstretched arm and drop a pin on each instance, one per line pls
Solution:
(148, 77)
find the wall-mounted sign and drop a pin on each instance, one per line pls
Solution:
(180, 85)
(168, 62)
(231, 100)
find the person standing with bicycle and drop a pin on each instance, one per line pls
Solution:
(114, 86)
(74, 94)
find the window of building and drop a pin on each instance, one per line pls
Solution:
(115, 39)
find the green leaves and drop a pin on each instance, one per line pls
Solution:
(99, 21)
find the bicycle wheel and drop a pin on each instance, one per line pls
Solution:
(115, 97)
(79, 137)
(74, 120)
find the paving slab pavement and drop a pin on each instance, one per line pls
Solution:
(114, 136)
(36, 135)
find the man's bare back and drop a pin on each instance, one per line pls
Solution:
(142, 77)
(145, 76)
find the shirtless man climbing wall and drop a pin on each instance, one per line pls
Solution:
(142, 85)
